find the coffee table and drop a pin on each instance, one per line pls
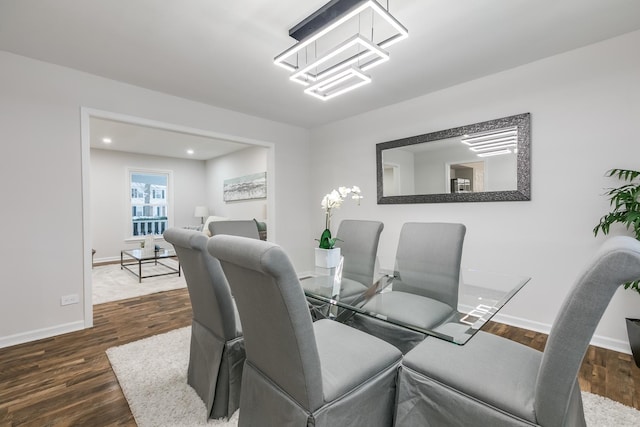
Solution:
(141, 256)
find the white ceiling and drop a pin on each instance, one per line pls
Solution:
(133, 138)
(221, 52)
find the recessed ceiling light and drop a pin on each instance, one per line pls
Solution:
(106, 140)
(190, 151)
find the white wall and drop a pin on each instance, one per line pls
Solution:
(245, 162)
(44, 253)
(584, 107)
(110, 226)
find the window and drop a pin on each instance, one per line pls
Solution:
(149, 202)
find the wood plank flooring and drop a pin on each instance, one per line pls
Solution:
(67, 380)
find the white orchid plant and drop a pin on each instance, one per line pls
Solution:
(332, 201)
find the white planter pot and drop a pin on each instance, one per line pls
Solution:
(327, 258)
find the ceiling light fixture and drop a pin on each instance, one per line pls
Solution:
(106, 140)
(336, 29)
(305, 74)
(190, 151)
(342, 82)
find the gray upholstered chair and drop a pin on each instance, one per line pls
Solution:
(492, 381)
(245, 228)
(359, 246)
(217, 347)
(300, 373)
(425, 289)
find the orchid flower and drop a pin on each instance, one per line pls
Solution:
(333, 200)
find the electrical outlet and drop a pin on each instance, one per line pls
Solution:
(69, 299)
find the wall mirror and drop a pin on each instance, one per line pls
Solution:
(482, 162)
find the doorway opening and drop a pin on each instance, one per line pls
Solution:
(161, 139)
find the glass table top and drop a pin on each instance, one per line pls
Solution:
(149, 253)
(480, 296)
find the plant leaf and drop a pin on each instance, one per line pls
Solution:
(325, 239)
(625, 208)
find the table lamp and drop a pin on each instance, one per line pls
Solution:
(202, 212)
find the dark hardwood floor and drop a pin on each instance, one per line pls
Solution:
(67, 380)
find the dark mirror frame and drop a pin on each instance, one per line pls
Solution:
(523, 192)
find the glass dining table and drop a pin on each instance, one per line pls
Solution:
(481, 295)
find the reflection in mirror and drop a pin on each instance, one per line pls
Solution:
(486, 161)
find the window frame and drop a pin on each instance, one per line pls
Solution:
(129, 236)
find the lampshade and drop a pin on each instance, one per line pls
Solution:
(201, 211)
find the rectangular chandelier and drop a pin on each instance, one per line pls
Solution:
(306, 74)
(338, 84)
(340, 50)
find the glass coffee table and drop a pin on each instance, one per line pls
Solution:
(141, 256)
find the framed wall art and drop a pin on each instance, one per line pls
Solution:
(245, 187)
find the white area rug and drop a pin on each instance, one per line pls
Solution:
(153, 375)
(110, 283)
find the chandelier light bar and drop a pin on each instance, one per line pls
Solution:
(304, 75)
(339, 63)
(401, 34)
(321, 90)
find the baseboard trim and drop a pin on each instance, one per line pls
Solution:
(39, 334)
(107, 260)
(621, 346)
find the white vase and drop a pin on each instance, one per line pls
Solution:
(327, 258)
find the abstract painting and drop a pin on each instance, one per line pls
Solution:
(245, 187)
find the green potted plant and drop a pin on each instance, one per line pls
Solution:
(625, 209)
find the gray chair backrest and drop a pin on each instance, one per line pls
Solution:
(209, 291)
(428, 260)
(359, 246)
(617, 262)
(278, 331)
(245, 228)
